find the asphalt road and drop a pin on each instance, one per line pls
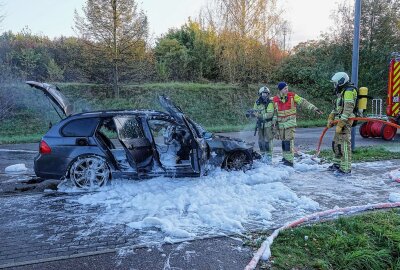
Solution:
(40, 231)
(308, 138)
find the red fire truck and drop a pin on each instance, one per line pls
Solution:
(379, 129)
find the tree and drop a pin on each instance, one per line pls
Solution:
(191, 50)
(256, 19)
(172, 59)
(114, 28)
(379, 37)
(247, 33)
(71, 57)
(313, 63)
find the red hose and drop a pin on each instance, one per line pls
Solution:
(265, 246)
(353, 118)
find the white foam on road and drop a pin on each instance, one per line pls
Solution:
(233, 202)
(395, 175)
(16, 168)
(394, 197)
(222, 202)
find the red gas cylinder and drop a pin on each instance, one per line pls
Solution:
(376, 129)
(364, 129)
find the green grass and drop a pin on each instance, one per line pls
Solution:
(360, 154)
(367, 241)
(31, 138)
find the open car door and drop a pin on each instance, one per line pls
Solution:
(138, 147)
(54, 94)
(198, 154)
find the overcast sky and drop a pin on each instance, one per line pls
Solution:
(55, 17)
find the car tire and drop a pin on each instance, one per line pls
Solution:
(89, 171)
(237, 161)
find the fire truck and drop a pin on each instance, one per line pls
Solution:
(380, 129)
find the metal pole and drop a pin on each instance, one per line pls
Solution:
(355, 58)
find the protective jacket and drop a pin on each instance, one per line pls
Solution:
(286, 109)
(265, 111)
(345, 104)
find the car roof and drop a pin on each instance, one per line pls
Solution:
(112, 113)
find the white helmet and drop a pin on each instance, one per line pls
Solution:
(340, 78)
(264, 89)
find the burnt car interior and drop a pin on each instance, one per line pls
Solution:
(172, 141)
(138, 147)
(120, 135)
(107, 136)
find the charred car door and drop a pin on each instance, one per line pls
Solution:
(138, 147)
(199, 147)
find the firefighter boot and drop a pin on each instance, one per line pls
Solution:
(334, 167)
(266, 158)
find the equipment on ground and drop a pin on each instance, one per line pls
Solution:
(382, 129)
(393, 125)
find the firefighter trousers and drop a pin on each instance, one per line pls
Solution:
(287, 137)
(341, 146)
(265, 140)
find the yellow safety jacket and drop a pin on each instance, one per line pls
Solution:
(266, 112)
(285, 105)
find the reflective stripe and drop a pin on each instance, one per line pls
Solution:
(346, 157)
(283, 116)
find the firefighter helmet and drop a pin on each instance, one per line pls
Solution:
(264, 89)
(340, 78)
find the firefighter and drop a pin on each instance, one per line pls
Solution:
(285, 105)
(346, 98)
(264, 110)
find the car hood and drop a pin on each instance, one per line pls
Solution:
(227, 143)
(54, 94)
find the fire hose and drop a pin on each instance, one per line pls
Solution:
(264, 251)
(353, 118)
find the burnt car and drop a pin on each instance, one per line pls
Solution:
(90, 148)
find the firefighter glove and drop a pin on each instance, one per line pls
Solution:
(339, 126)
(318, 111)
(331, 118)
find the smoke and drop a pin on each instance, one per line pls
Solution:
(18, 100)
(7, 98)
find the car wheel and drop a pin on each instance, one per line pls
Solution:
(89, 171)
(237, 161)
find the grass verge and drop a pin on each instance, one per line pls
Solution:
(364, 153)
(367, 241)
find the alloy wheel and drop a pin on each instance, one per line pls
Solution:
(90, 171)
